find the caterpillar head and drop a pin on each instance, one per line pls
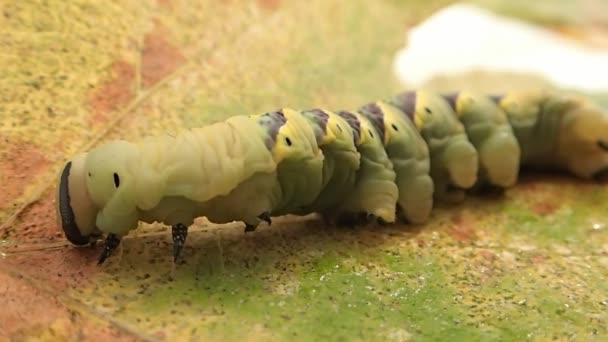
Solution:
(583, 141)
(76, 212)
(92, 187)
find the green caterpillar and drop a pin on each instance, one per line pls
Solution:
(388, 161)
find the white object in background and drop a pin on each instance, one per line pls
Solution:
(463, 38)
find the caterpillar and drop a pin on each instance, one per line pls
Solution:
(390, 161)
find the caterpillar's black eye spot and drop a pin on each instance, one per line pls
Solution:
(89, 174)
(116, 180)
(288, 141)
(428, 110)
(394, 127)
(370, 133)
(339, 128)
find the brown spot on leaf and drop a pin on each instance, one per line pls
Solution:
(18, 167)
(531, 181)
(538, 259)
(159, 57)
(545, 208)
(487, 255)
(461, 231)
(30, 313)
(68, 267)
(114, 94)
(38, 221)
(164, 3)
(160, 335)
(269, 4)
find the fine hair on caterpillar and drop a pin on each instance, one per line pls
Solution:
(387, 161)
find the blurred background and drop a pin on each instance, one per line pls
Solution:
(76, 73)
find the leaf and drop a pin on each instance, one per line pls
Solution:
(78, 73)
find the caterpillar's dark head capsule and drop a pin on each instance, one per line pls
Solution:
(75, 210)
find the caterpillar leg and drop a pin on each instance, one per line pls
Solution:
(499, 158)
(490, 190)
(180, 233)
(265, 216)
(110, 244)
(377, 200)
(416, 201)
(361, 219)
(379, 220)
(351, 219)
(250, 227)
(449, 193)
(454, 171)
(461, 162)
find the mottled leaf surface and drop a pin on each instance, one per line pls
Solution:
(529, 265)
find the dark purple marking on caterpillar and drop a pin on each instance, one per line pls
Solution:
(451, 99)
(376, 116)
(406, 102)
(320, 118)
(272, 122)
(353, 122)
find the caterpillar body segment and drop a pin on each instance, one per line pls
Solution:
(126, 178)
(202, 163)
(409, 155)
(249, 197)
(375, 192)
(295, 181)
(300, 175)
(536, 130)
(454, 160)
(386, 160)
(341, 162)
(273, 135)
(488, 129)
(246, 203)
